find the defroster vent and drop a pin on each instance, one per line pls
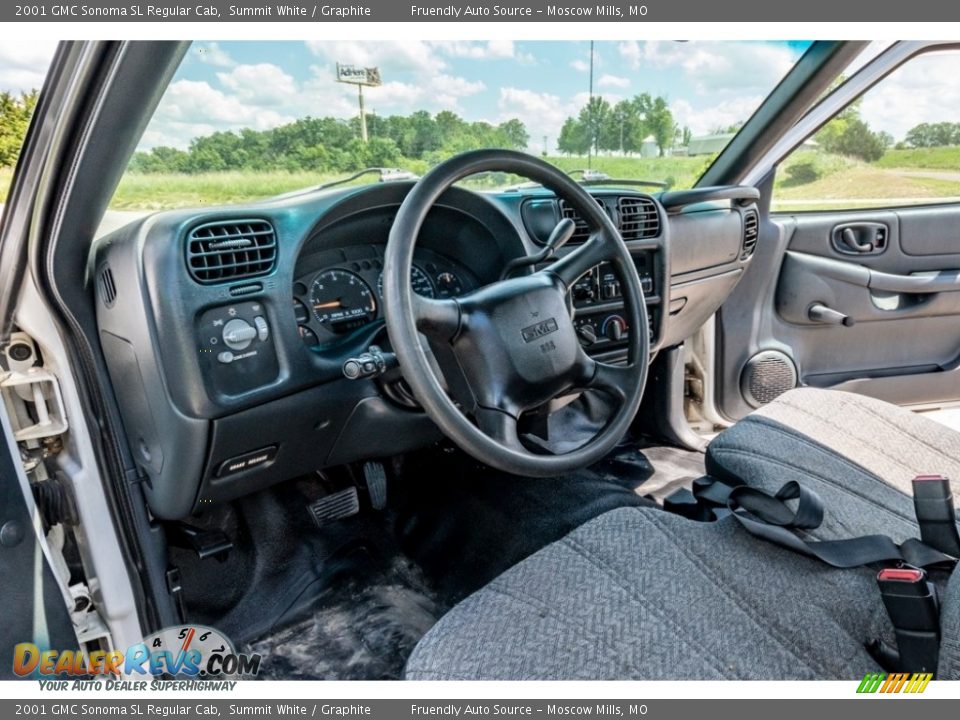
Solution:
(231, 250)
(582, 231)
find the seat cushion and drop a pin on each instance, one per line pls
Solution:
(858, 453)
(638, 593)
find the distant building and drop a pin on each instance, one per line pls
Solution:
(649, 147)
(709, 144)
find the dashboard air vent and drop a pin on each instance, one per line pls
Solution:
(231, 250)
(107, 287)
(639, 218)
(751, 231)
(582, 232)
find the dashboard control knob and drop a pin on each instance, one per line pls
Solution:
(238, 334)
(263, 330)
(587, 334)
(226, 357)
(613, 328)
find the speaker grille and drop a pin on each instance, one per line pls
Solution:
(766, 376)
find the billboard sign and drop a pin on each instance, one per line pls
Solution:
(356, 75)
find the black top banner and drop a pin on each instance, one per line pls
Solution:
(483, 11)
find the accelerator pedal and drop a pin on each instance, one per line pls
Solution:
(335, 506)
(375, 476)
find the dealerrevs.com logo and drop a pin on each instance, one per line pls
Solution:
(894, 683)
(191, 651)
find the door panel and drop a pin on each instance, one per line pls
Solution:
(875, 310)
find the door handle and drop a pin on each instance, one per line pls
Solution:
(850, 240)
(861, 238)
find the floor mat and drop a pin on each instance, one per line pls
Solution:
(465, 523)
(364, 630)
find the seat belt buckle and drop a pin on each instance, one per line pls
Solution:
(911, 602)
(933, 505)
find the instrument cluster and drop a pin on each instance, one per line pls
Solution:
(344, 294)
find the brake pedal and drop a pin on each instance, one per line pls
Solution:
(335, 506)
(375, 476)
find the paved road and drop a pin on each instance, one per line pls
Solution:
(951, 175)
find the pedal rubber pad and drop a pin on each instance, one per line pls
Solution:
(336, 506)
(376, 477)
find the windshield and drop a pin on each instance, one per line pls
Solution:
(247, 120)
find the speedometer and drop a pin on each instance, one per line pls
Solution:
(418, 279)
(342, 301)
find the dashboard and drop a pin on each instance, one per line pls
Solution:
(247, 344)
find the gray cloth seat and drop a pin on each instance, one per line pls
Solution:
(638, 593)
(858, 453)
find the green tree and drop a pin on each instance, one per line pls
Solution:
(573, 139)
(658, 120)
(15, 114)
(848, 134)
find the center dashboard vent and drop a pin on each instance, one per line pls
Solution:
(639, 219)
(751, 233)
(231, 250)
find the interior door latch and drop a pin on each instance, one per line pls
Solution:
(861, 238)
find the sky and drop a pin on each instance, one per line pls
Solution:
(231, 85)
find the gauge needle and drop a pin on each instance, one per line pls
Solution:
(330, 304)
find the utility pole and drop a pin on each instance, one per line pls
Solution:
(363, 114)
(593, 129)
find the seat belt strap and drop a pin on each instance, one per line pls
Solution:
(933, 503)
(769, 517)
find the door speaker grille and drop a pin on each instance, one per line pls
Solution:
(766, 376)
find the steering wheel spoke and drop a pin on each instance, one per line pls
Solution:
(573, 266)
(499, 425)
(617, 380)
(438, 319)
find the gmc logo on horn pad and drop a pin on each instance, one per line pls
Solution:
(537, 331)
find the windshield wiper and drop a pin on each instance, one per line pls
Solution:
(386, 175)
(595, 177)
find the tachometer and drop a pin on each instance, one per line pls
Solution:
(342, 301)
(418, 278)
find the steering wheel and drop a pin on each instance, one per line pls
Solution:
(513, 342)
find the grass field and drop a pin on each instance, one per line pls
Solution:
(941, 158)
(900, 177)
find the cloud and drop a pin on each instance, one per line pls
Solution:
(24, 63)
(191, 108)
(542, 113)
(398, 55)
(703, 119)
(580, 65)
(925, 89)
(491, 50)
(212, 54)
(613, 81)
(260, 84)
(714, 67)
